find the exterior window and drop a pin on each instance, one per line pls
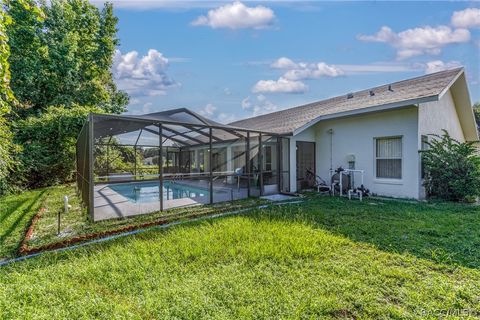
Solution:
(388, 158)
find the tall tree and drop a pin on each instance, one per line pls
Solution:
(27, 53)
(65, 59)
(7, 98)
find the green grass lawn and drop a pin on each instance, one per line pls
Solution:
(327, 257)
(15, 214)
(76, 223)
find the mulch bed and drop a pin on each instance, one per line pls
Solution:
(28, 235)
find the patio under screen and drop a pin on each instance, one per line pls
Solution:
(124, 161)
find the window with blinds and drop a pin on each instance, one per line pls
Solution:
(388, 158)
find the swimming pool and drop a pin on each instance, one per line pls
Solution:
(142, 192)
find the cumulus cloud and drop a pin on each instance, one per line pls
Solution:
(210, 112)
(313, 71)
(142, 76)
(294, 72)
(418, 41)
(282, 85)
(468, 18)
(236, 15)
(439, 65)
(258, 105)
(303, 70)
(283, 63)
(226, 117)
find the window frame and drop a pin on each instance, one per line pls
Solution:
(375, 158)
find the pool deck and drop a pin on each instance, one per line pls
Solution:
(109, 204)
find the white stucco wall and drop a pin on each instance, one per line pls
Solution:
(355, 135)
(437, 115)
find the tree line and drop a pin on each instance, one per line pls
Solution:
(55, 60)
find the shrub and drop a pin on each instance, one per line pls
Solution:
(452, 169)
(48, 146)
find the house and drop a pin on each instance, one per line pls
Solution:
(378, 130)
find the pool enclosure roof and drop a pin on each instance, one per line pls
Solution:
(181, 126)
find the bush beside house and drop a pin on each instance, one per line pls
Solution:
(452, 169)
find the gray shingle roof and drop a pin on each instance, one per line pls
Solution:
(287, 121)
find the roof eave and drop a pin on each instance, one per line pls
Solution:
(463, 105)
(372, 109)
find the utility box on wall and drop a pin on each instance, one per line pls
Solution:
(351, 161)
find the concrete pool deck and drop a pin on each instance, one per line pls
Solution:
(109, 204)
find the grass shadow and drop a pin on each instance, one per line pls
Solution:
(444, 233)
(21, 211)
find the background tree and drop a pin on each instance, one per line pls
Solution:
(7, 98)
(60, 53)
(49, 143)
(66, 58)
(476, 112)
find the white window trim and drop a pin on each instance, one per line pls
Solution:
(387, 180)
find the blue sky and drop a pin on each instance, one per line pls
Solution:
(231, 60)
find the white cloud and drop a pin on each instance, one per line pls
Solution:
(246, 104)
(419, 41)
(439, 65)
(146, 107)
(208, 110)
(226, 117)
(236, 15)
(260, 105)
(134, 101)
(468, 18)
(378, 67)
(302, 70)
(290, 82)
(282, 85)
(142, 76)
(313, 71)
(283, 63)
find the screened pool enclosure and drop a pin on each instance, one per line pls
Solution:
(131, 165)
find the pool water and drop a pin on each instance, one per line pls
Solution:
(142, 192)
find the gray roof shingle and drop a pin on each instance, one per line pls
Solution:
(287, 121)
